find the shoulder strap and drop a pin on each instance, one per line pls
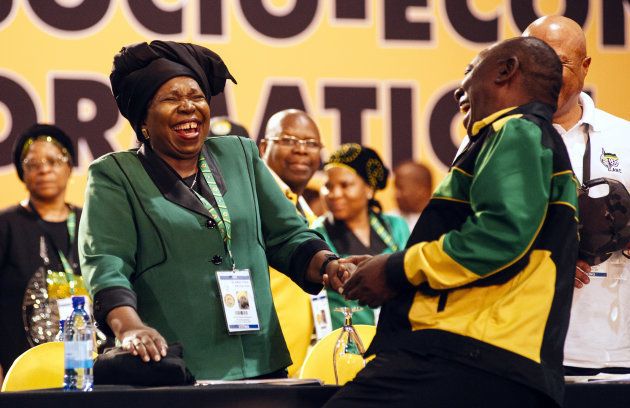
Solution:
(586, 160)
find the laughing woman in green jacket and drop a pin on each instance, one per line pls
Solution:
(177, 236)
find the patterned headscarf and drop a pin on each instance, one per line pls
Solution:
(363, 161)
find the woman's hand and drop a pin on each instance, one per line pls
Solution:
(136, 337)
(334, 273)
(145, 342)
(337, 274)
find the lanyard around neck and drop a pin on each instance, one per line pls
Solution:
(71, 223)
(586, 160)
(382, 233)
(223, 221)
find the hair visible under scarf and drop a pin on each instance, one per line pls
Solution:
(140, 69)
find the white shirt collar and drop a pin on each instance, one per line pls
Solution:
(588, 111)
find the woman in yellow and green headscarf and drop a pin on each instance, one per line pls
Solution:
(355, 223)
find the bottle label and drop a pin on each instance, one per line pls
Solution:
(78, 354)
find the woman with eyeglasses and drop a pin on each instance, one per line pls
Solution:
(355, 223)
(38, 247)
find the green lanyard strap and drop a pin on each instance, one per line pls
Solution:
(71, 222)
(223, 220)
(382, 232)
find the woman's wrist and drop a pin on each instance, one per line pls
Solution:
(123, 319)
(328, 258)
(315, 266)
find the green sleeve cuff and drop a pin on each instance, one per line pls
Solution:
(107, 299)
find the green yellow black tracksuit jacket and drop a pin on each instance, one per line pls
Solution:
(487, 275)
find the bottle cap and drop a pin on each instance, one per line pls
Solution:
(78, 301)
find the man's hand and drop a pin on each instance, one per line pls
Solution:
(368, 283)
(337, 274)
(582, 269)
(355, 259)
(346, 267)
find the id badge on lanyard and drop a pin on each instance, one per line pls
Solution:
(321, 314)
(235, 286)
(238, 301)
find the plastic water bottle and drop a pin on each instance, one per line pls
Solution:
(78, 347)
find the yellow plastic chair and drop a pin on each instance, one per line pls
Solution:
(319, 361)
(37, 368)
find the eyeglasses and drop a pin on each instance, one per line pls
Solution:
(292, 141)
(52, 162)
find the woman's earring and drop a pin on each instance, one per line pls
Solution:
(145, 133)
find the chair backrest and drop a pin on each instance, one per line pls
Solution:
(319, 361)
(37, 368)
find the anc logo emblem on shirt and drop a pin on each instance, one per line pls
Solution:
(610, 160)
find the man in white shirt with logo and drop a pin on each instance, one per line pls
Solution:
(599, 331)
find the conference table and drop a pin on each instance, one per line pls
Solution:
(608, 395)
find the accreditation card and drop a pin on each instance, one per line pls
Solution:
(321, 314)
(237, 298)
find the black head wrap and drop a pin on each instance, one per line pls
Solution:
(140, 69)
(364, 161)
(35, 132)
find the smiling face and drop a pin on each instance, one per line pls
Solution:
(475, 94)
(178, 119)
(345, 193)
(46, 171)
(294, 163)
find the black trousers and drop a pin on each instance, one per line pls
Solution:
(403, 379)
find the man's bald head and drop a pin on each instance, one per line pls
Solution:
(560, 32)
(567, 39)
(291, 147)
(414, 185)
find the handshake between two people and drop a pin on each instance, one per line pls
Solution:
(360, 277)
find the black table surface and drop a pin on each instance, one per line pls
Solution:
(273, 396)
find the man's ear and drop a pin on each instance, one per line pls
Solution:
(507, 69)
(262, 148)
(586, 63)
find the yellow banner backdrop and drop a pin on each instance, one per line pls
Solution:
(378, 72)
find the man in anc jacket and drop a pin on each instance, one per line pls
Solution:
(476, 308)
